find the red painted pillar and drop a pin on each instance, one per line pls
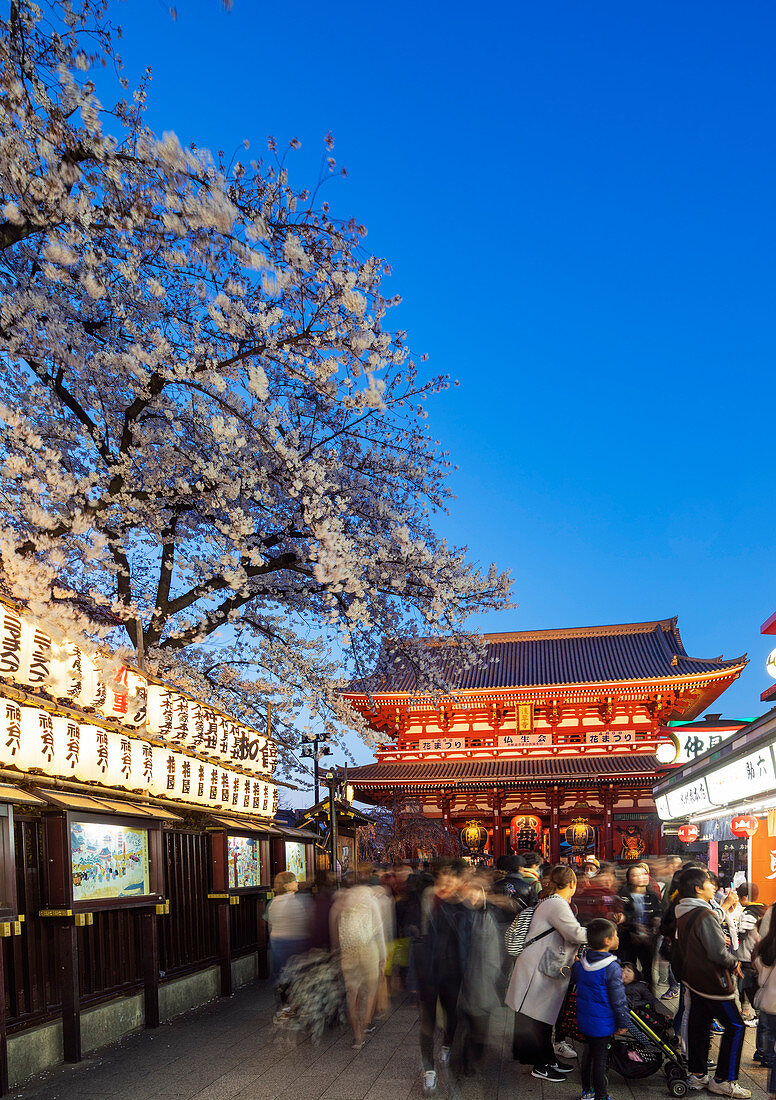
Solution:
(498, 827)
(608, 800)
(555, 825)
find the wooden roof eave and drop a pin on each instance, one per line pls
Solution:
(695, 679)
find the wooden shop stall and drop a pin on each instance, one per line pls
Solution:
(126, 893)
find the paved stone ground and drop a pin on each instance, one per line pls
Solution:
(230, 1050)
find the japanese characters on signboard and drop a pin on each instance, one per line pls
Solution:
(441, 744)
(610, 737)
(33, 740)
(692, 798)
(524, 718)
(524, 740)
(742, 778)
(751, 775)
(697, 742)
(31, 658)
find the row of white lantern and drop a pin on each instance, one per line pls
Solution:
(35, 741)
(31, 658)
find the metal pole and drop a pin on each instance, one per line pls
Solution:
(332, 825)
(315, 769)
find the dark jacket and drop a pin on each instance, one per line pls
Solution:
(443, 949)
(633, 932)
(700, 958)
(601, 1003)
(523, 889)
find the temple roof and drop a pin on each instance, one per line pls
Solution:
(464, 773)
(535, 658)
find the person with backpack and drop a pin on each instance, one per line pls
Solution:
(540, 979)
(357, 932)
(707, 971)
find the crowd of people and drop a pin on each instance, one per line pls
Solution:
(574, 956)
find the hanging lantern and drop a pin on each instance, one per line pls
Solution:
(524, 832)
(744, 825)
(474, 836)
(688, 834)
(579, 834)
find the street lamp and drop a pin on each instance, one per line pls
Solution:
(331, 783)
(312, 750)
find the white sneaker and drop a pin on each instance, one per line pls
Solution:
(697, 1081)
(565, 1050)
(729, 1088)
(429, 1081)
(750, 1021)
(444, 1056)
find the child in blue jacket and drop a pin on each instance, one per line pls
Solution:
(602, 1008)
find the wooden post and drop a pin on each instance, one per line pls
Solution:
(225, 947)
(220, 880)
(3, 1037)
(67, 959)
(262, 964)
(150, 939)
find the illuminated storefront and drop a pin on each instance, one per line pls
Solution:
(729, 794)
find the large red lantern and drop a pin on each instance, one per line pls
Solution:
(688, 834)
(524, 832)
(744, 825)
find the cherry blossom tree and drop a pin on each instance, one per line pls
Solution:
(398, 831)
(210, 432)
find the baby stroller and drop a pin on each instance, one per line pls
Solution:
(647, 1050)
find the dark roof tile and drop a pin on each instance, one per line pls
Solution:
(536, 658)
(452, 772)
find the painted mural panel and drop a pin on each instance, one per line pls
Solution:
(244, 862)
(295, 859)
(109, 862)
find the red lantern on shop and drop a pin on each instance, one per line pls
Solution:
(688, 834)
(744, 825)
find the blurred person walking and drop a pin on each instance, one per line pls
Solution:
(641, 920)
(441, 959)
(288, 917)
(357, 932)
(481, 981)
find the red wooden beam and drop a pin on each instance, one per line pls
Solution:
(769, 626)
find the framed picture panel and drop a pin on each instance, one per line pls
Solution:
(102, 862)
(296, 859)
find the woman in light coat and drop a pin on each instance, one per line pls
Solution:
(536, 998)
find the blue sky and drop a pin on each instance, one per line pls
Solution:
(577, 201)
